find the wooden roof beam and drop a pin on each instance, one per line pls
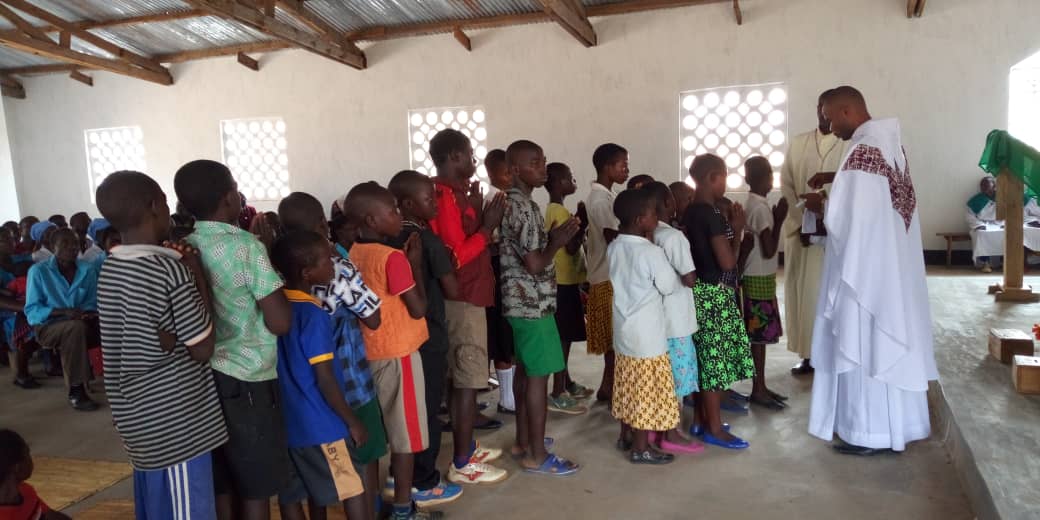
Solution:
(296, 9)
(271, 26)
(635, 6)
(82, 78)
(68, 30)
(914, 8)
(462, 39)
(10, 87)
(737, 12)
(45, 47)
(248, 62)
(570, 14)
(230, 50)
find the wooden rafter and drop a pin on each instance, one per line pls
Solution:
(10, 87)
(248, 62)
(82, 78)
(164, 16)
(68, 30)
(914, 8)
(230, 50)
(255, 18)
(32, 42)
(635, 6)
(462, 39)
(570, 14)
(737, 12)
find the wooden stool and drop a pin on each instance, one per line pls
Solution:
(1005, 344)
(950, 239)
(1025, 374)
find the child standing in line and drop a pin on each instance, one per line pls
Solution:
(347, 299)
(415, 199)
(644, 390)
(18, 499)
(466, 230)
(529, 301)
(249, 311)
(679, 311)
(683, 194)
(393, 348)
(157, 339)
(611, 162)
(722, 342)
(321, 427)
(570, 275)
(758, 285)
(500, 336)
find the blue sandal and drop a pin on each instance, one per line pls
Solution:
(555, 466)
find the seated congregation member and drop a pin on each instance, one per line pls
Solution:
(569, 262)
(529, 302)
(157, 339)
(393, 348)
(418, 205)
(18, 499)
(101, 236)
(981, 214)
(758, 283)
(79, 222)
(26, 245)
(59, 221)
(723, 355)
(41, 234)
(249, 311)
(638, 181)
(680, 315)
(322, 428)
(644, 388)
(346, 299)
(61, 305)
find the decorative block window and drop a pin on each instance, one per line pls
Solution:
(256, 152)
(424, 123)
(111, 150)
(734, 123)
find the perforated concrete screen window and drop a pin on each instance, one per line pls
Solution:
(256, 152)
(734, 123)
(111, 150)
(424, 123)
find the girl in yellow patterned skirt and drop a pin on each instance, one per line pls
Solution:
(644, 391)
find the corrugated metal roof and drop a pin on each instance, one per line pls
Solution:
(210, 31)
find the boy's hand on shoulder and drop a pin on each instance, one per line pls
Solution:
(189, 254)
(562, 233)
(413, 249)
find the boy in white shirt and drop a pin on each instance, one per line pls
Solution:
(644, 398)
(679, 312)
(758, 283)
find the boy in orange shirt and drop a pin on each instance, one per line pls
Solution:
(393, 348)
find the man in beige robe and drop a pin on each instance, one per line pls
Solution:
(807, 154)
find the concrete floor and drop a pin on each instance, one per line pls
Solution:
(785, 474)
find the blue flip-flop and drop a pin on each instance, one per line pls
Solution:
(555, 467)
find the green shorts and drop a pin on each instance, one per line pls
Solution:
(375, 447)
(537, 345)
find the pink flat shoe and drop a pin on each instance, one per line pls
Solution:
(692, 448)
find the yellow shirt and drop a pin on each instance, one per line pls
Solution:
(570, 269)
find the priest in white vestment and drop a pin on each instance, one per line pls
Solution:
(872, 343)
(807, 154)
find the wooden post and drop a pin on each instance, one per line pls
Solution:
(1010, 192)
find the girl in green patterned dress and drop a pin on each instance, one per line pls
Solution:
(723, 356)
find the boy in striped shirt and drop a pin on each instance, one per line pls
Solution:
(157, 338)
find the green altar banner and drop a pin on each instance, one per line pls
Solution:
(1003, 151)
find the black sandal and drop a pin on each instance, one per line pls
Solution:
(27, 383)
(650, 457)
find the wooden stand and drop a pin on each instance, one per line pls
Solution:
(1010, 192)
(1025, 374)
(1005, 344)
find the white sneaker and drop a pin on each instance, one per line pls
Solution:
(484, 455)
(476, 473)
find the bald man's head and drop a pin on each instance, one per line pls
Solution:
(846, 109)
